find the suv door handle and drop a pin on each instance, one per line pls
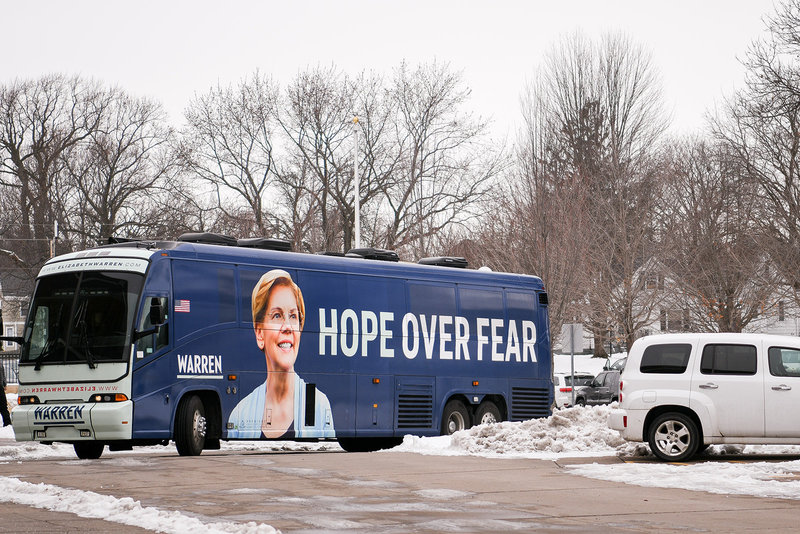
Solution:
(782, 387)
(708, 386)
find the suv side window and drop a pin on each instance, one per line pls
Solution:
(728, 360)
(666, 359)
(784, 361)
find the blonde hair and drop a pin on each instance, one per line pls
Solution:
(263, 290)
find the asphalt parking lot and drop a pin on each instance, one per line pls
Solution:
(384, 492)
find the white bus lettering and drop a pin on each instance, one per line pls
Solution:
(412, 336)
(428, 335)
(386, 334)
(349, 316)
(326, 331)
(497, 340)
(369, 332)
(482, 338)
(462, 337)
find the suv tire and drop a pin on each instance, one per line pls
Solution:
(673, 437)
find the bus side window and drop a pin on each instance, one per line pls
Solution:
(154, 342)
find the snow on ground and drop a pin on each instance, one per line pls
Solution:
(569, 433)
(125, 511)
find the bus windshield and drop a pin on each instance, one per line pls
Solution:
(81, 317)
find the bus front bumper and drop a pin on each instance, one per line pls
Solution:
(108, 421)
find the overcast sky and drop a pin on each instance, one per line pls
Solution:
(170, 50)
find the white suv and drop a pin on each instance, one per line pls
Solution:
(683, 392)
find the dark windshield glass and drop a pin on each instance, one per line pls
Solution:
(81, 317)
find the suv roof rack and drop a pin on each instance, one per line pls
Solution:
(267, 243)
(445, 261)
(373, 254)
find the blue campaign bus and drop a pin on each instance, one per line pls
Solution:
(208, 338)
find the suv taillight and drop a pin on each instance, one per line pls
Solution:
(565, 390)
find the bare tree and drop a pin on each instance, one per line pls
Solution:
(317, 120)
(722, 277)
(325, 110)
(116, 172)
(40, 121)
(538, 222)
(229, 144)
(446, 164)
(598, 115)
(761, 124)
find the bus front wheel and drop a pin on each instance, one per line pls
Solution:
(88, 450)
(455, 417)
(190, 426)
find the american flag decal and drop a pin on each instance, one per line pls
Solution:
(182, 306)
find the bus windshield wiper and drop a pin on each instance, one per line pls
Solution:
(48, 348)
(84, 337)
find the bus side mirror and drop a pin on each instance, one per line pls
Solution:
(157, 312)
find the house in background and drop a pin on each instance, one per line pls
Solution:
(678, 312)
(14, 303)
(673, 311)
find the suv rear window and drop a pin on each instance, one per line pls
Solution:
(728, 360)
(665, 359)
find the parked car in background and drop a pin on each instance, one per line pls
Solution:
(618, 365)
(603, 389)
(563, 384)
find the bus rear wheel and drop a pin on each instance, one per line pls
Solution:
(190, 426)
(455, 417)
(487, 413)
(88, 450)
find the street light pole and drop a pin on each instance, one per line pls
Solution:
(356, 186)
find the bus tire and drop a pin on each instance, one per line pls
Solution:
(488, 413)
(455, 417)
(88, 450)
(190, 426)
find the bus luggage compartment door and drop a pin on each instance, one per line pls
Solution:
(375, 404)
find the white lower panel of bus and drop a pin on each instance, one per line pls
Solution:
(73, 422)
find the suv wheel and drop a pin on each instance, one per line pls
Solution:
(673, 437)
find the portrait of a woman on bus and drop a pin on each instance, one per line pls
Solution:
(277, 408)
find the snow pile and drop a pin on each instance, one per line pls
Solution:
(571, 432)
(125, 510)
(574, 430)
